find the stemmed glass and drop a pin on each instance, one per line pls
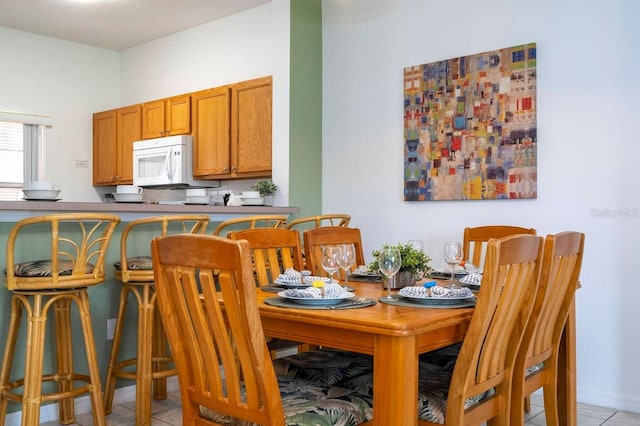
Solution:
(416, 244)
(389, 264)
(347, 260)
(453, 257)
(331, 259)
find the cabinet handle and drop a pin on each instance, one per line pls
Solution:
(234, 168)
(225, 170)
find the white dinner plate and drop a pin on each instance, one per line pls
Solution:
(317, 300)
(425, 300)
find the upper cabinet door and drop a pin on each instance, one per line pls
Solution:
(153, 119)
(104, 148)
(211, 134)
(178, 115)
(129, 131)
(251, 124)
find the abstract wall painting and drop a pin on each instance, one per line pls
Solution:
(470, 127)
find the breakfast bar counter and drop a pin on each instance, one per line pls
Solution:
(12, 211)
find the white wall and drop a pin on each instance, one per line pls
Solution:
(67, 81)
(587, 153)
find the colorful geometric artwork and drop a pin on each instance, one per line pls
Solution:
(470, 127)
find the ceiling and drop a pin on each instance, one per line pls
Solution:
(114, 24)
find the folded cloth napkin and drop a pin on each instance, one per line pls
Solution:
(331, 291)
(436, 292)
(293, 277)
(362, 270)
(474, 278)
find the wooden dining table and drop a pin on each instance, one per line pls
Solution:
(395, 336)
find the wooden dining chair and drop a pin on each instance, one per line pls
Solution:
(315, 238)
(477, 388)
(273, 251)
(537, 363)
(207, 299)
(250, 222)
(301, 224)
(475, 240)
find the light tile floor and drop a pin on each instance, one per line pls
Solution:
(168, 412)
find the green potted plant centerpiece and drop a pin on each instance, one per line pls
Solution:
(267, 188)
(414, 264)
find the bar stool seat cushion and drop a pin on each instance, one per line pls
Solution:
(308, 403)
(324, 367)
(138, 263)
(43, 268)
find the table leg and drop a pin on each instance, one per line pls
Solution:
(567, 399)
(395, 381)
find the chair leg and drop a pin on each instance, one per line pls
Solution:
(95, 387)
(144, 370)
(527, 404)
(64, 352)
(9, 351)
(110, 385)
(159, 354)
(34, 356)
(550, 391)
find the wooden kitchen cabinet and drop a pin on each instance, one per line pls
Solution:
(232, 130)
(211, 113)
(114, 132)
(166, 117)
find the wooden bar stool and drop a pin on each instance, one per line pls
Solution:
(77, 242)
(152, 363)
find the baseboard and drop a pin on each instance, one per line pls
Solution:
(49, 412)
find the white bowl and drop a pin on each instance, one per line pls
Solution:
(128, 189)
(198, 199)
(43, 185)
(250, 194)
(127, 198)
(196, 192)
(251, 201)
(41, 194)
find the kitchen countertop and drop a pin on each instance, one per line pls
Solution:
(12, 211)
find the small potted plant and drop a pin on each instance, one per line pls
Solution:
(415, 264)
(267, 189)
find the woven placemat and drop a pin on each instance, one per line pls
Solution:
(401, 301)
(278, 288)
(345, 304)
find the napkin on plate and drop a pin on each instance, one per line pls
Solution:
(474, 278)
(293, 277)
(436, 292)
(331, 291)
(362, 270)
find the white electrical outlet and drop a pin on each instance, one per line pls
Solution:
(111, 328)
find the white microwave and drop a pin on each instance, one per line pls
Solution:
(166, 163)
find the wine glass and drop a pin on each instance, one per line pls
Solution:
(389, 262)
(331, 259)
(416, 244)
(453, 257)
(347, 260)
